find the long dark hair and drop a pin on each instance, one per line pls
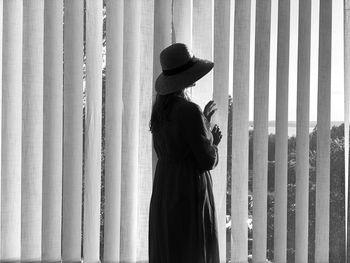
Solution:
(162, 107)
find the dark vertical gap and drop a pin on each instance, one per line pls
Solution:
(312, 194)
(347, 221)
(103, 142)
(229, 179)
(84, 107)
(271, 194)
(62, 173)
(337, 196)
(291, 191)
(250, 192)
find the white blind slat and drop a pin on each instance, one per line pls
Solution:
(130, 138)
(281, 146)
(260, 138)
(11, 130)
(221, 73)
(113, 137)
(202, 46)
(73, 133)
(302, 144)
(240, 134)
(32, 129)
(323, 133)
(182, 23)
(93, 129)
(145, 136)
(52, 130)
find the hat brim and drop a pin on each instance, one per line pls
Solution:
(168, 84)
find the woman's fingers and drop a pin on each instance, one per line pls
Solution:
(216, 129)
(209, 106)
(210, 103)
(217, 136)
(212, 111)
(212, 106)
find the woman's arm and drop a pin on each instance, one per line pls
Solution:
(198, 136)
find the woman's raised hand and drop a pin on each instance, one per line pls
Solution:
(209, 110)
(216, 135)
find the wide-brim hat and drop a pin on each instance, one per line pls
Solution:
(180, 69)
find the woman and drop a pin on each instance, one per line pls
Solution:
(182, 218)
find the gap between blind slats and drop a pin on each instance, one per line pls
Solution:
(346, 111)
(1, 46)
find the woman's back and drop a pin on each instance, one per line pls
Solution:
(168, 142)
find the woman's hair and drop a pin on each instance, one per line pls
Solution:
(162, 107)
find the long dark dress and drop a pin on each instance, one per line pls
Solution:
(182, 218)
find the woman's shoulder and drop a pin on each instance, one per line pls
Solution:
(188, 113)
(185, 106)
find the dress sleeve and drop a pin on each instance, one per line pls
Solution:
(197, 134)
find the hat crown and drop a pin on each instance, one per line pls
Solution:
(175, 56)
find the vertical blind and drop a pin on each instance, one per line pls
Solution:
(130, 120)
(281, 146)
(240, 137)
(93, 129)
(302, 144)
(73, 37)
(11, 141)
(76, 97)
(221, 47)
(113, 134)
(32, 125)
(323, 132)
(261, 102)
(52, 132)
